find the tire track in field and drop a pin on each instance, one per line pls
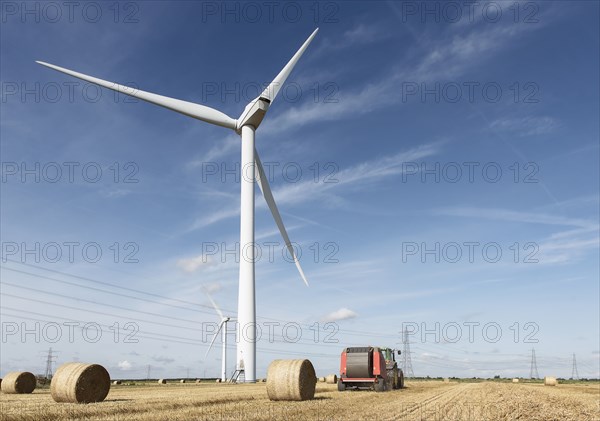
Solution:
(429, 407)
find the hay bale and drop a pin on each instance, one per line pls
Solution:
(291, 380)
(162, 381)
(331, 379)
(18, 382)
(117, 382)
(182, 381)
(80, 383)
(321, 379)
(198, 381)
(515, 380)
(263, 380)
(550, 381)
(218, 381)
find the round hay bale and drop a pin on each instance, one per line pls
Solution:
(80, 383)
(291, 380)
(117, 382)
(218, 381)
(515, 380)
(18, 382)
(263, 380)
(198, 381)
(322, 379)
(331, 379)
(182, 381)
(550, 381)
(162, 381)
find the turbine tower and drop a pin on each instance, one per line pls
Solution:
(223, 329)
(252, 172)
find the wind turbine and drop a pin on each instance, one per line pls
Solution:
(252, 172)
(223, 329)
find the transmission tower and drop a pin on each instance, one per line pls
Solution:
(50, 359)
(574, 372)
(406, 361)
(148, 372)
(533, 371)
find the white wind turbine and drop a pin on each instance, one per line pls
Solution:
(223, 329)
(251, 170)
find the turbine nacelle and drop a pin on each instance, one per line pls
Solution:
(253, 114)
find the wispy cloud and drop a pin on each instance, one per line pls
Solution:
(566, 250)
(222, 148)
(566, 246)
(163, 359)
(213, 287)
(526, 126)
(447, 57)
(361, 34)
(356, 177)
(516, 216)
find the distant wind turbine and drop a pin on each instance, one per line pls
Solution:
(252, 171)
(223, 329)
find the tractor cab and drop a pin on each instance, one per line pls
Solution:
(389, 354)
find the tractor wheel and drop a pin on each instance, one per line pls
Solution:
(380, 385)
(341, 386)
(395, 378)
(400, 380)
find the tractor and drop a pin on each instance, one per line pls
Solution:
(371, 368)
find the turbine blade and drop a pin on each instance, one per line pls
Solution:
(215, 306)
(200, 112)
(263, 183)
(213, 339)
(273, 89)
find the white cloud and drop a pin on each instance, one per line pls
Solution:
(125, 365)
(341, 314)
(192, 264)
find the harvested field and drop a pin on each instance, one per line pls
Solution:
(420, 400)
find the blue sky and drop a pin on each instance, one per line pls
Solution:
(387, 102)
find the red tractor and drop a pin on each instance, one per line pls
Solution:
(370, 368)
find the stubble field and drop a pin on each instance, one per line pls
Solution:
(420, 400)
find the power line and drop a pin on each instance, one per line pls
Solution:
(50, 359)
(95, 302)
(574, 372)
(279, 340)
(168, 338)
(407, 367)
(347, 331)
(533, 370)
(104, 291)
